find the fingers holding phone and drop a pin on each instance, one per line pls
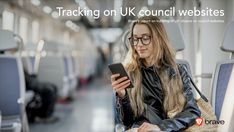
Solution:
(119, 79)
(120, 84)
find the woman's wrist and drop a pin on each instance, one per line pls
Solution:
(121, 93)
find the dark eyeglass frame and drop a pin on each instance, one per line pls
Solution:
(135, 44)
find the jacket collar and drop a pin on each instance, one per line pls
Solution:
(169, 70)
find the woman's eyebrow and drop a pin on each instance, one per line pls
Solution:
(146, 34)
(141, 34)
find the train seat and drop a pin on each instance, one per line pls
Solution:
(12, 85)
(223, 84)
(176, 39)
(53, 69)
(69, 66)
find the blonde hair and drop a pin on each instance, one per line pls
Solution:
(163, 57)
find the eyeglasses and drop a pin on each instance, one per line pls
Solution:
(145, 40)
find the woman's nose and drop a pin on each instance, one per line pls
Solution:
(139, 46)
(140, 43)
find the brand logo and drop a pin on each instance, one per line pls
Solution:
(199, 121)
(214, 122)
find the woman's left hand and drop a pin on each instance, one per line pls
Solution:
(147, 127)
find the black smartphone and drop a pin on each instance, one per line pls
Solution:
(118, 68)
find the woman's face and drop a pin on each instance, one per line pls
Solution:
(142, 40)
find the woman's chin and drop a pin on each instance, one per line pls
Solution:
(142, 56)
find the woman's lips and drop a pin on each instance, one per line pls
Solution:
(141, 50)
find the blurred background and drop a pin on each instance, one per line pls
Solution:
(64, 58)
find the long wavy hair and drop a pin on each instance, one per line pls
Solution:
(162, 58)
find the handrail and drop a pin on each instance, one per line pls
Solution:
(203, 75)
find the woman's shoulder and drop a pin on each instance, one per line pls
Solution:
(182, 69)
(183, 73)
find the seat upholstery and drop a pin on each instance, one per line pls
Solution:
(223, 84)
(12, 84)
(9, 86)
(54, 68)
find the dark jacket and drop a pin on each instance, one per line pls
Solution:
(153, 101)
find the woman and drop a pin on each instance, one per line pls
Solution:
(162, 97)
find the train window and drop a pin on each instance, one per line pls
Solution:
(23, 28)
(35, 31)
(8, 20)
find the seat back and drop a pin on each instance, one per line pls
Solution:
(221, 79)
(176, 39)
(222, 92)
(54, 68)
(223, 84)
(11, 80)
(12, 84)
(228, 38)
(51, 69)
(175, 36)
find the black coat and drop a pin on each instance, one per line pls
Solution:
(153, 100)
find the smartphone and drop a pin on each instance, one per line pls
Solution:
(118, 68)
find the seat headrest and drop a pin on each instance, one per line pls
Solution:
(175, 35)
(228, 40)
(7, 40)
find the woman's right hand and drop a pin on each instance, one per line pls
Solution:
(120, 84)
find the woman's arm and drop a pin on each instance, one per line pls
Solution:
(124, 110)
(190, 112)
